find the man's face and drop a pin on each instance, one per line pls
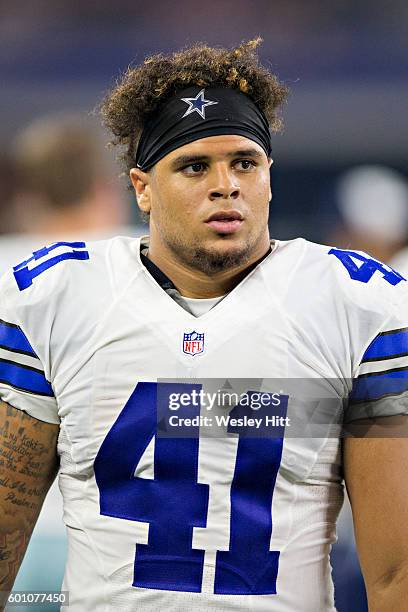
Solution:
(209, 202)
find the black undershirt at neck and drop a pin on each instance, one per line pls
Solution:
(159, 276)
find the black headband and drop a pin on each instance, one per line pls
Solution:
(195, 113)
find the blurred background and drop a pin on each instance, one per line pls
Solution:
(341, 164)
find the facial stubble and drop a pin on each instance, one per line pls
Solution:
(211, 261)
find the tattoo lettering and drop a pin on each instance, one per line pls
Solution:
(23, 454)
(12, 549)
(12, 412)
(28, 464)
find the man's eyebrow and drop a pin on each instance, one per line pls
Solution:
(185, 160)
(246, 153)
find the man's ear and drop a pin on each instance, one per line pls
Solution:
(270, 162)
(141, 185)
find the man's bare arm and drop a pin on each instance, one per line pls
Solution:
(28, 466)
(376, 476)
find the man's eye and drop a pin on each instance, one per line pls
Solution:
(245, 164)
(194, 168)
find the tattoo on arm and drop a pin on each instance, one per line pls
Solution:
(12, 548)
(28, 465)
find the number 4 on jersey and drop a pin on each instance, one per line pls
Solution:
(361, 267)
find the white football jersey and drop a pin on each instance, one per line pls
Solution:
(212, 522)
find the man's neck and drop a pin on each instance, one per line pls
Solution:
(194, 283)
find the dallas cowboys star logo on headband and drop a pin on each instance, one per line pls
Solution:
(197, 104)
(165, 130)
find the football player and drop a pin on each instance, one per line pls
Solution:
(96, 337)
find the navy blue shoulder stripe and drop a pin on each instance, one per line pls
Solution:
(377, 385)
(13, 339)
(388, 345)
(393, 331)
(382, 372)
(24, 378)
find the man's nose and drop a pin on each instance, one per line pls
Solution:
(224, 185)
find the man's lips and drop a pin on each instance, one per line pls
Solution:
(225, 222)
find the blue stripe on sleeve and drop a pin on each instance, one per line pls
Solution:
(387, 345)
(372, 387)
(24, 378)
(13, 339)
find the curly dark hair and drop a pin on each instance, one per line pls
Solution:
(143, 88)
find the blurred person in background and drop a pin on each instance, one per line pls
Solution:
(66, 186)
(60, 183)
(372, 201)
(399, 260)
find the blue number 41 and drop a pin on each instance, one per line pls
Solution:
(173, 503)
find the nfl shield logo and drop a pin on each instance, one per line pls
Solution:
(193, 343)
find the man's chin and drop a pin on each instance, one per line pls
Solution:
(219, 257)
(217, 254)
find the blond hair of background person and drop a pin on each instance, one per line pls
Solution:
(67, 186)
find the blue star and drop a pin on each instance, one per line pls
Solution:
(197, 104)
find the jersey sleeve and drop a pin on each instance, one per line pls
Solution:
(24, 372)
(380, 384)
(372, 299)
